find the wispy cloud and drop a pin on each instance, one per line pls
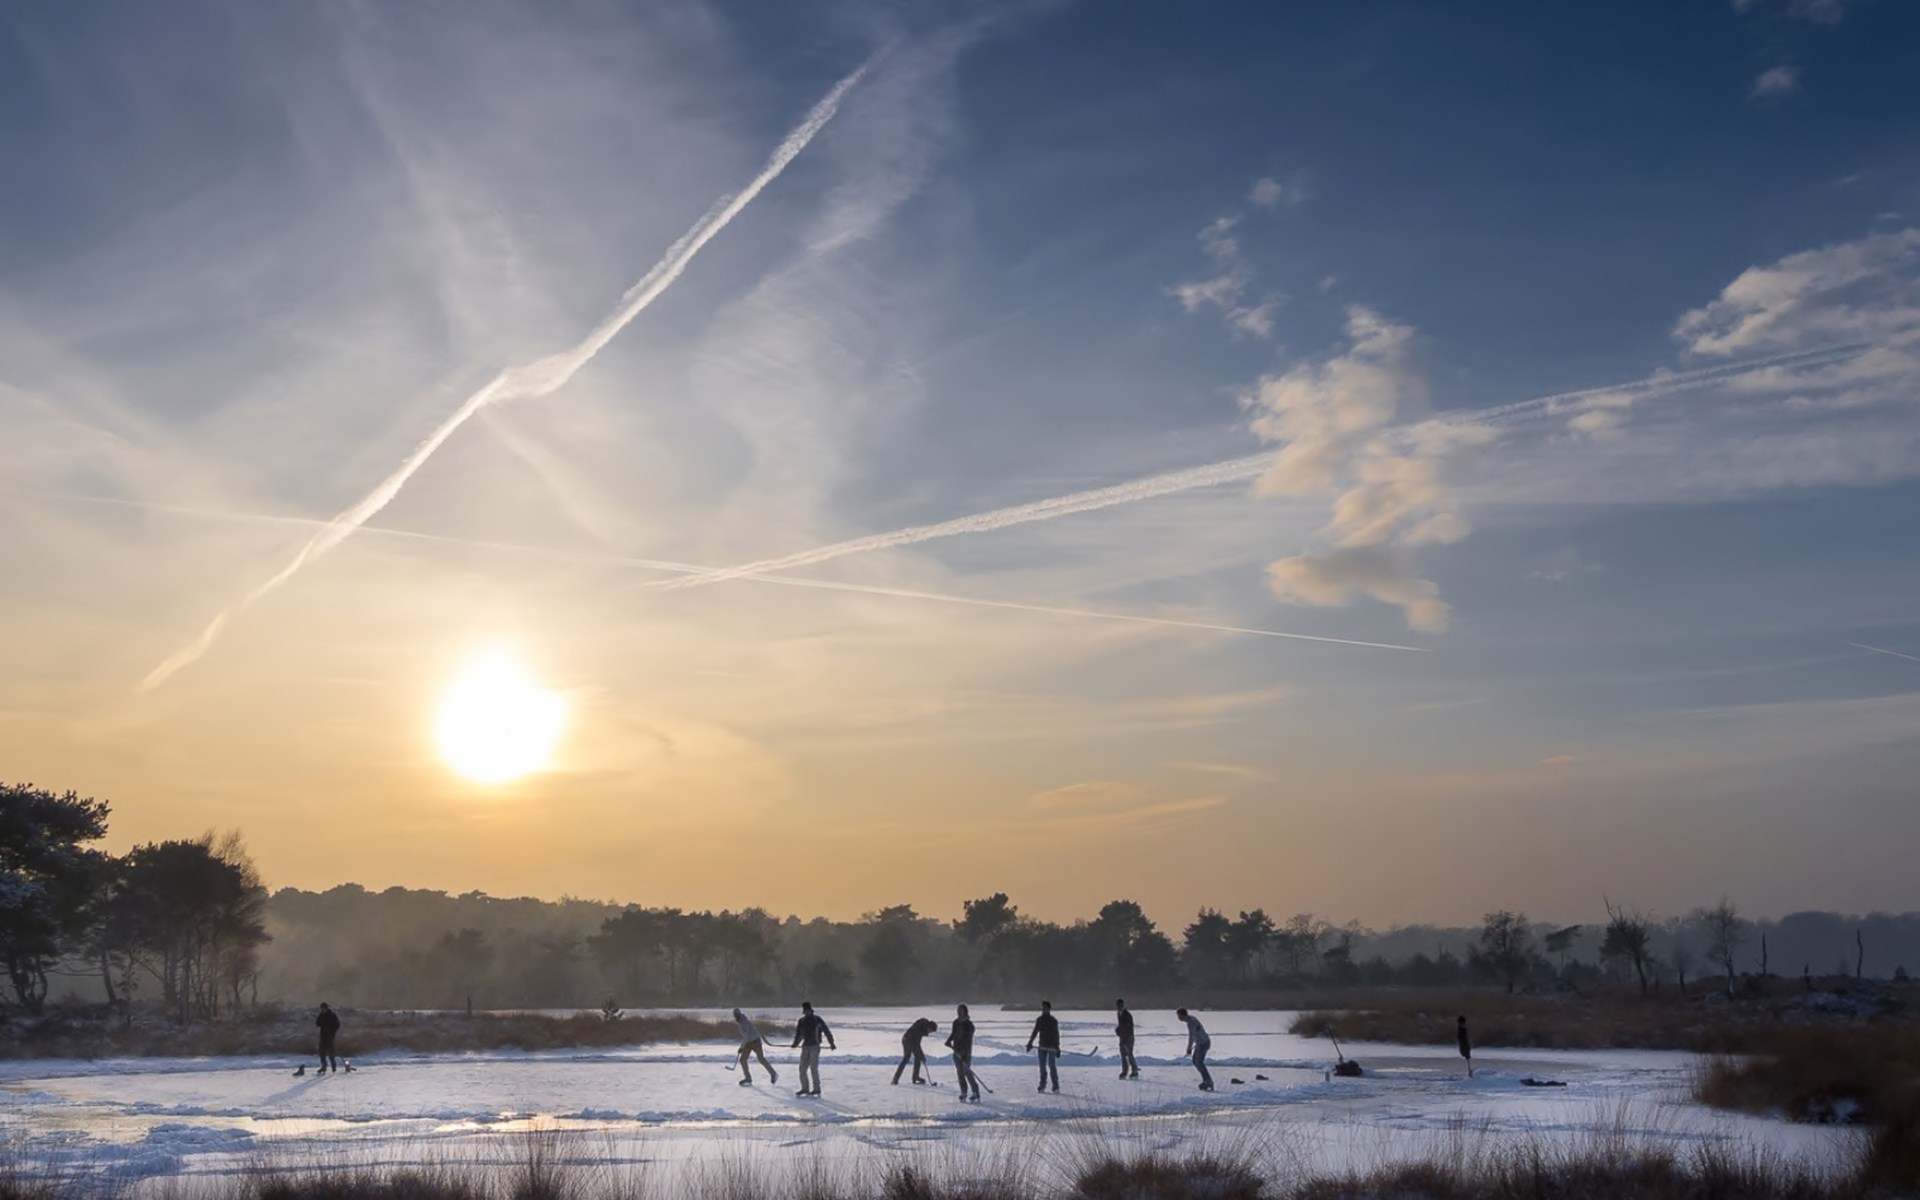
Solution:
(1272, 193)
(538, 378)
(1774, 83)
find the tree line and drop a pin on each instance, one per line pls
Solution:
(187, 925)
(182, 920)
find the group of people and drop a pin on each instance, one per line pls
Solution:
(812, 1030)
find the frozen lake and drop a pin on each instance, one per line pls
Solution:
(669, 1106)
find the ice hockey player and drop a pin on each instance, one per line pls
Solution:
(1198, 1043)
(960, 1041)
(752, 1047)
(328, 1023)
(1123, 1029)
(807, 1035)
(1046, 1030)
(910, 1051)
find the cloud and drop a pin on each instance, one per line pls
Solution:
(1270, 193)
(1561, 566)
(1331, 419)
(1333, 579)
(1098, 803)
(1825, 12)
(1221, 291)
(1864, 290)
(1227, 289)
(1774, 83)
(1099, 793)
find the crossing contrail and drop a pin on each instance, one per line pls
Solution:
(537, 378)
(1233, 470)
(679, 568)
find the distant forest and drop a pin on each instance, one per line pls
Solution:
(189, 926)
(403, 948)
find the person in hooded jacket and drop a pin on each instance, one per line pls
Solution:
(751, 1046)
(910, 1051)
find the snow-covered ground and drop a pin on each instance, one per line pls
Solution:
(673, 1105)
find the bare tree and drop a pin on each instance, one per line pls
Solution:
(1506, 946)
(1628, 936)
(1726, 933)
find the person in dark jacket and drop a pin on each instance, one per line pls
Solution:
(1046, 1030)
(960, 1041)
(1123, 1029)
(806, 1035)
(328, 1023)
(910, 1051)
(1198, 1043)
(1466, 1044)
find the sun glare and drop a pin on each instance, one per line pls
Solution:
(496, 723)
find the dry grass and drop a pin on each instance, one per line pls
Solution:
(291, 1033)
(1705, 1021)
(1525, 1170)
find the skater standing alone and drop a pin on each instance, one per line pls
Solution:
(807, 1035)
(752, 1046)
(1123, 1029)
(1466, 1044)
(960, 1041)
(328, 1023)
(1046, 1028)
(910, 1051)
(1198, 1043)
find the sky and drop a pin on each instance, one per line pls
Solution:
(1387, 460)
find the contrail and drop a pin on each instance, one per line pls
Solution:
(1232, 470)
(537, 378)
(1889, 653)
(691, 569)
(999, 518)
(1654, 385)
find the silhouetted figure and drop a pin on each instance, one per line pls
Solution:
(1466, 1044)
(1046, 1029)
(1123, 1029)
(1198, 1043)
(328, 1023)
(807, 1035)
(910, 1051)
(960, 1041)
(752, 1046)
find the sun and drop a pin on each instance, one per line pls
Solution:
(496, 723)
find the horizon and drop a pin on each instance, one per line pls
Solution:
(1380, 462)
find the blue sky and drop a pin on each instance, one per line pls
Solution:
(1582, 342)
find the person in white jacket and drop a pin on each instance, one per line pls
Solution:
(752, 1046)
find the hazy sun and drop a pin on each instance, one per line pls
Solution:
(496, 723)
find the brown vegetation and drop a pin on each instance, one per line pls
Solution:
(1602, 1168)
(100, 1034)
(1708, 1021)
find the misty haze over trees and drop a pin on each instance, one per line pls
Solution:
(189, 925)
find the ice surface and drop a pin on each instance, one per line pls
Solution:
(679, 1103)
